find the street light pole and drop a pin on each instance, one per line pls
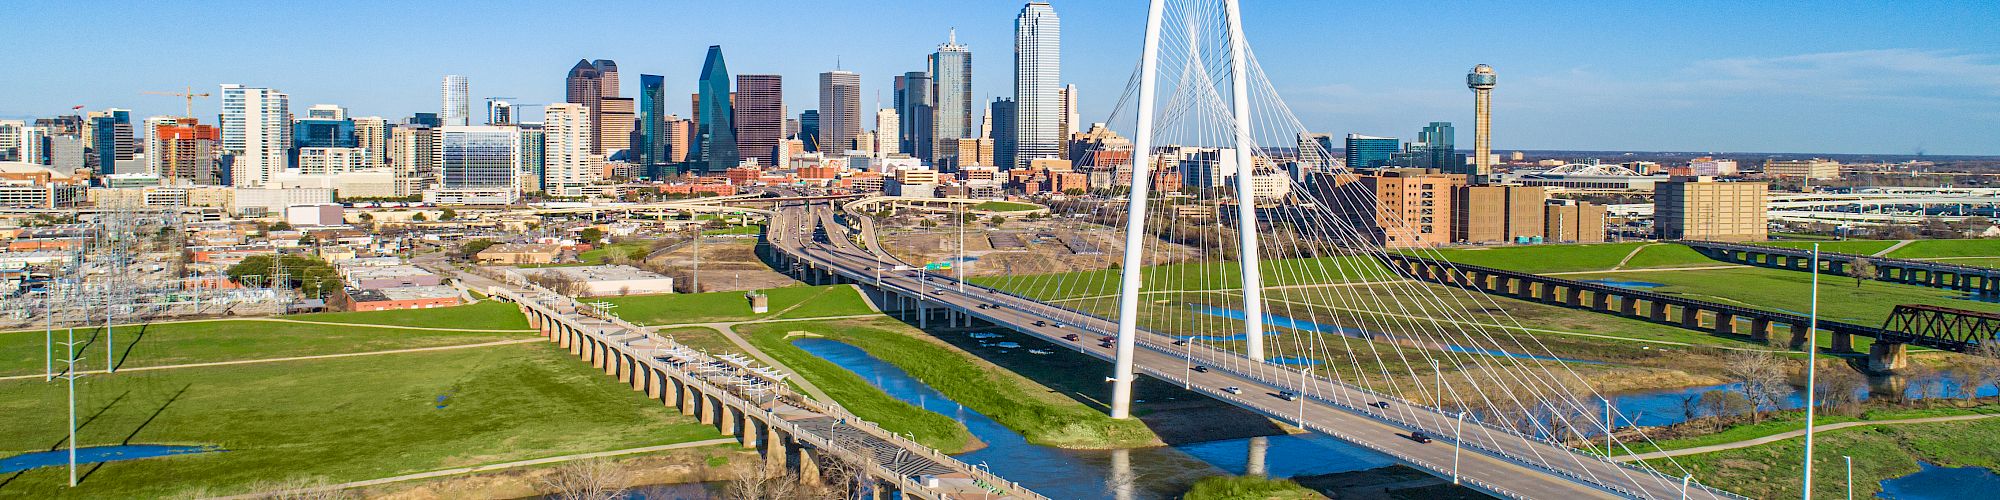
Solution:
(1812, 350)
(1608, 426)
(1302, 395)
(1850, 476)
(1457, 433)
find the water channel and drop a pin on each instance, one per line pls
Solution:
(95, 454)
(1162, 472)
(1280, 321)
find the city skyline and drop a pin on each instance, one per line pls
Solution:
(1924, 86)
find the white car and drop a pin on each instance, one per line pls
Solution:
(1233, 390)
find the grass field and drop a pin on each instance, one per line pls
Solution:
(1566, 258)
(736, 230)
(337, 419)
(710, 307)
(1858, 247)
(208, 341)
(1948, 248)
(1005, 206)
(1880, 452)
(484, 315)
(1787, 421)
(854, 393)
(597, 256)
(703, 338)
(1790, 291)
(1190, 277)
(1249, 487)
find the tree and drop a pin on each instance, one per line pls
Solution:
(1839, 390)
(1763, 377)
(928, 223)
(448, 214)
(590, 235)
(1721, 403)
(420, 217)
(310, 276)
(593, 479)
(472, 248)
(281, 226)
(1861, 270)
(367, 217)
(1989, 371)
(998, 220)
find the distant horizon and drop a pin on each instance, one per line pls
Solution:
(1730, 78)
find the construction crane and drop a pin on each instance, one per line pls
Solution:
(188, 94)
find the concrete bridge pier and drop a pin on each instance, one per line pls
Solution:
(1885, 357)
(1760, 329)
(1254, 464)
(1725, 323)
(1657, 310)
(1843, 342)
(1628, 306)
(1690, 318)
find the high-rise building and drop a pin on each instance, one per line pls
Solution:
(1498, 214)
(372, 133)
(588, 83)
(1037, 77)
(951, 77)
(499, 112)
(413, 158)
(809, 129)
(326, 112)
(1316, 150)
(1434, 149)
(1481, 81)
(424, 119)
(715, 127)
(1700, 208)
(680, 139)
(481, 159)
(915, 103)
(651, 146)
(1006, 138)
(566, 157)
(760, 117)
(331, 160)
(10, 140)
(888, 132)
(181, 149)
(254, 132)
(111, 135)
(1069, 117)
(1365, 151)
(457, 107)
(839, 110)
(615, 132)
(1413, 207)
(1812, 169)
(607, 75)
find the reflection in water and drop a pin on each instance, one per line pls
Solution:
(1145, 473)
(1665, 407)
(1942, 483)
(1313, 327)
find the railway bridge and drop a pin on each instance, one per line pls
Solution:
(1972, 279)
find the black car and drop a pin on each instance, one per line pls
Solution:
(1420, 437)
(1071, 337)
(1040, 323)
(1201, 369)
(1181, 342)
(1380, 404)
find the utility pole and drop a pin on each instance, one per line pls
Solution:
(695, 278)
(70, 373)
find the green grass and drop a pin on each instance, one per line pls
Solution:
(1948, 248)
(702, 338)
(1566, 258)
(1791, 291)
(713, 307)
(856, 394)
(1006, 206)
(484, 315)
(1857, 247)
(1248, 488)
(1879, 452)
(1038, 413)
(210, 341)
(596, 256)
(338, 419)
(1190, 277)
(736, 230)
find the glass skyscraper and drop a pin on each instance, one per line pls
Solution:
(1005, 137)
(951, 76)
(481, 157)
(652, 147)
(914, 102)
(1369, 151)
(111, 138)
(717, 131)
(1037, 79)
(456, 108)
(254, 133)
(809, 129)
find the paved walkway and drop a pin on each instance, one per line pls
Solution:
(493, 467)
(1792, 434)
(300, 358)
(1899, 244)
(1628, 256)
(727, 329)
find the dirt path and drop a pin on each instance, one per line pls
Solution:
(492, 467)
(300, 358)
(1628, 256)
(1892, 248)
(1792, 434)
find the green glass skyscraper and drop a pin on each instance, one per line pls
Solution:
(652, 147)
(716, 148)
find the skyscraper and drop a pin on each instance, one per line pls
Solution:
(457, 108)
(652, 145)
(615, 130)
(111, 136)
(1369, 151)
(254, 131)
(482, 161)
(182, 149)
(839, 110)
(809, 129)
(413, 155)
(1070, 118)
(888, 130)
(372, 133)
(1037, 76)
(566, 156)
(1006, 138)
(1481, 81)
(760, 117)
(951, 76)
(914, 104)
(499, 112)
(589, 83)
(534, 156)
(716, 130)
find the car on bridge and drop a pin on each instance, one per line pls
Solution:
(1288, 395)
(1233, 390)
(1071, 337)
(1420, 437)
(1181, 342)
(1200, 369)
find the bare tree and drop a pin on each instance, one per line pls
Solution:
(1690, 406)
(1721, 403)
(594, 479)
(762, 483)
(1989, 370)
(1965, 378)
(1763, 377)
(1861, 269)
(1839, 390)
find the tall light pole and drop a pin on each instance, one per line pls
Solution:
(1246, 206)
(1812, 351)
(1850, 476)
(1457, 433)
(1135, 226)
(1302, 395)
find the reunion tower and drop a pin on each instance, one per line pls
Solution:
(1480, 80)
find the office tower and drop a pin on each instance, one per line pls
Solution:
(1699, 208)
(975, 151)
(331, 160)
(809, 129)
(1365, 151)
(566, 158)
(1006, 138)
(914, 104)
(152, 140)
(182, 149)
(326, 112)
(1316, 150)
(614, 133)
(760, 117)
(1069, 118)
(372, 133)
(66, 153)
(10, 140)
(413, 156)
(323, 133)
(1497, 214)
(680, 139)
(607, 76)
(423, 119)
(481, 158)
(33, 145)
(1037, 73)
(839, 110)
(457, 105)
(111, 135)
(1481, 81)
(715, 118)
(255, 133)
(499, 112)
(951, 78)
(588, 84)
(534, 157)
(888, 132)
(650, 147)
(1811, 169)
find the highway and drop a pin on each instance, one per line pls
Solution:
(1339, 410)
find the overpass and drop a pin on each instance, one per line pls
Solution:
(789, 431)
(1507, 464)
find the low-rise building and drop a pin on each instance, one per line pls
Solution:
(610, 280)
(518, 253)
(1815, 169)
(406, 297)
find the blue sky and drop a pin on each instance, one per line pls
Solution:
(1838, 77)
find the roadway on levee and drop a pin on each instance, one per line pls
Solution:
(1333, 409)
